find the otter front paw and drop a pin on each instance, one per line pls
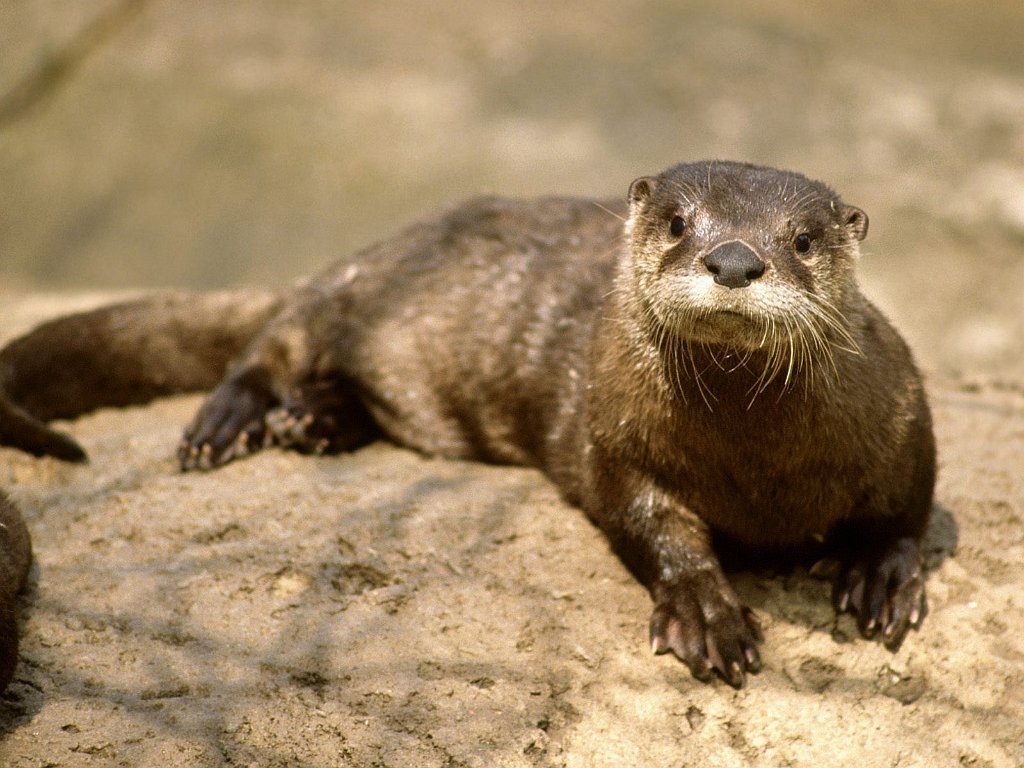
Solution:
(701, 620)
(884, 589)
(229, 425)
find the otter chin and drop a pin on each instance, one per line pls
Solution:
(690, 365)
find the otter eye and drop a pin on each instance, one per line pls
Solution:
(802, 242)
(677, 226)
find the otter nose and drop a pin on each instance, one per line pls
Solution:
(734, 265)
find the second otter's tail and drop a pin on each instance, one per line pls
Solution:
(122, 354)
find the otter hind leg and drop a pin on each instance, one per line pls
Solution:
(244, 414)
(324, 416)
(231, 422)
(290, 389)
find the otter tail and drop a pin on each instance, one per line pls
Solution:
(122, 354)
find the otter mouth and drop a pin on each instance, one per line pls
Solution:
(733, 319)
(732, 322)
(733, 328)
(768, 316)
(737, 325)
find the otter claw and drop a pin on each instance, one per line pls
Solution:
(885, 590)
(321, 416)
(706, 628)
(229, 424)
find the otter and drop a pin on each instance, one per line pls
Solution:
(694, 367)
(15, 559)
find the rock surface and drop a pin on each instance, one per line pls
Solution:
(380, 608)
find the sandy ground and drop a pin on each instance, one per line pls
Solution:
(382, 609)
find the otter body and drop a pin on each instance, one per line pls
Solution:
(698, 362)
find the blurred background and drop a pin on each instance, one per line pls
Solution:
(151, 143)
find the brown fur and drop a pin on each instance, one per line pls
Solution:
(778, 412)
(15, 559)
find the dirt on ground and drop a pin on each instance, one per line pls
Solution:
(385, 609)
(381, 608)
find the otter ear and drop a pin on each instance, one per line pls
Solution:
(641, 189)
(856, 221)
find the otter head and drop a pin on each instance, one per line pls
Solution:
(743, 257)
